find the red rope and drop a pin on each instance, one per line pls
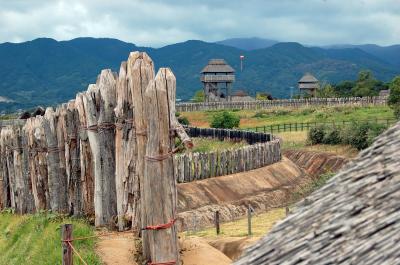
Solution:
(161, 226)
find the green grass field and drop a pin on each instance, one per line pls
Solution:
(35, 239)
(298, 140)
(261, 224)
(209, 145)
(254, 118)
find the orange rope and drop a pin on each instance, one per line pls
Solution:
(161, 226)
(76, 252)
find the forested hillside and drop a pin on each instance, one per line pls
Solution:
(47, 72)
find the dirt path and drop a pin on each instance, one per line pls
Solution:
(116, 249)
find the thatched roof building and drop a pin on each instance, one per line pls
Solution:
(309, 84)
(216, 66)
(217, 78)
(353, 219)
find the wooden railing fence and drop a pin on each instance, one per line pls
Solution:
(304, 126)
(291, 103)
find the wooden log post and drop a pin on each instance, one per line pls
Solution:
(70, 124)
(127, 187)
(66, 235)
(99, 103)
(56, 179)
(86, 159)
(38, 162)
(4, 187)
(140, 70)
(159, 185)
(8, 170)
(249, 215)
(24, 199)
(217, 227)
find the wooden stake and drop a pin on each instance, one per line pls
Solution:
(66, 235)
(217, 228)
(140, 70)
(249, 213)
(159, 198)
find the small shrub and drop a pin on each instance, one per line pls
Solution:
(397, 112)
(307, 111)
(225, 120)
(374, 130)
(332, 137)
(321, 115)
(345, 134)
(281, 112)
(183, 120)
(362, 135)
(358, 135)
(316, 135)
(259, 114)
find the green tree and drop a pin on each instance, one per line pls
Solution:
(225, 120)
(263, 96)
(366, 85)
(394, 96)
(327, 91)
(344, 88)
(198, 96)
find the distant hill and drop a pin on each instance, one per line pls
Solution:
(248, 44)
(47, 72)
(389, 54)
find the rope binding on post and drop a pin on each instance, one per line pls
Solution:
(161, 226)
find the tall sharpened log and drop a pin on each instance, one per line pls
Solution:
(159, 184)
(127, 186)
(99, 103)
(56, 177)
(140, 70)
(86, 159)
(70, 123)
(38, 162)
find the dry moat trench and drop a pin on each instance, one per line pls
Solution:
(264, 188)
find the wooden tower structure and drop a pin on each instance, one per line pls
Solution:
(217, 78)
(309, 84)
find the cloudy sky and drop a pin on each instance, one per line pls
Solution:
(156, 23)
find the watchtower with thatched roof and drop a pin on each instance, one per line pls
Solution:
(217, 78)
(309, 84)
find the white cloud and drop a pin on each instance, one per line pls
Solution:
(156, 23)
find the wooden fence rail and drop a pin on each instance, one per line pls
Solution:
(304, 126)
(292, 103)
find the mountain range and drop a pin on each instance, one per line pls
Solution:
(46, 72)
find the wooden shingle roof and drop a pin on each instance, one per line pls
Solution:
(308, 78)
(353, 219)
(217, 66)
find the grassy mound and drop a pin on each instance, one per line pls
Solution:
(36, 239)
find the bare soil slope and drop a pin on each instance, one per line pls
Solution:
(262, 188)
(316, 163)
(233, 247)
